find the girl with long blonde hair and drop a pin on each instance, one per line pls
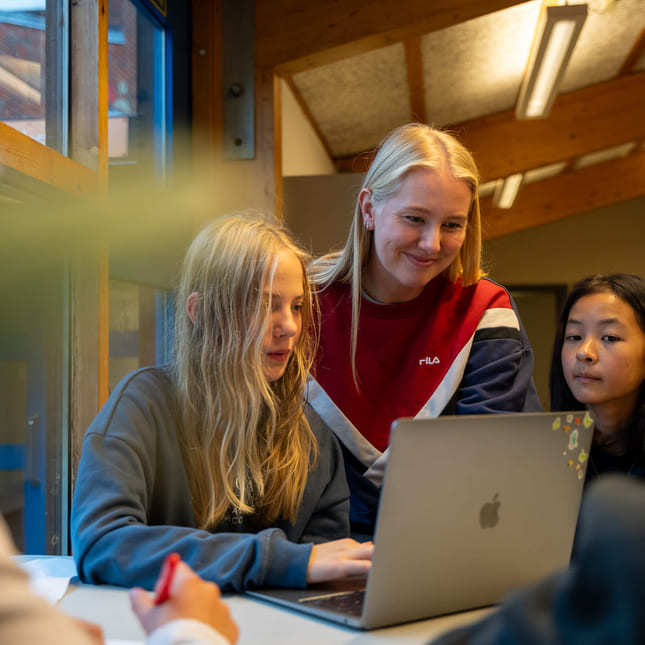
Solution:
(409, 324)
(217, 457)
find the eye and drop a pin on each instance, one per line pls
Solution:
(572, 337)
(609, 338)
(414, 219)
(297, 307)
(454, 226)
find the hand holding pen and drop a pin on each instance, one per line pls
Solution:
(181, 593)
(162, 588)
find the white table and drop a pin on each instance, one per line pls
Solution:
(260, 623)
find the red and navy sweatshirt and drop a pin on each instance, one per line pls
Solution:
(450, 350)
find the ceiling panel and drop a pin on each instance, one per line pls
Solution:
(606, 39)
(475, 67)
(355, 100)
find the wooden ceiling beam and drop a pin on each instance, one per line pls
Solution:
(575, 192)
(594, 118)
(294, 35)
(634, 55)
(414, 72)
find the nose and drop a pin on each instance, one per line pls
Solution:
(430, 240)
(586, 351)
(284, 324)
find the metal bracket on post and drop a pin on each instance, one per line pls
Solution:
(238, 17)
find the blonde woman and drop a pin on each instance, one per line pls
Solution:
(409, 325)
(214, 456)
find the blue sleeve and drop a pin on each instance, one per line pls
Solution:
(132, 507)
(499, 374)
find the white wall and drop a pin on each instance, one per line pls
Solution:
(319, 209)
(604, 240)
(302, 151)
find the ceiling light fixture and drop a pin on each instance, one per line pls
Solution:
(555, 39)
(507, 190)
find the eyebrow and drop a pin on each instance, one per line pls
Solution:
(273, 295)
(603, 321)
(422, 209)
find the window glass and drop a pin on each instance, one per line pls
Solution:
(140, 327)
(33, 68)
(136, 87)
(33, 359)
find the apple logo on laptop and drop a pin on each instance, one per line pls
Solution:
(488, 514)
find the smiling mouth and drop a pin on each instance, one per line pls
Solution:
(420, 261)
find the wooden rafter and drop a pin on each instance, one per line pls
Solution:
(317, 32)
(568, 194)
(580, 122)
(414, 70)
(634, 55)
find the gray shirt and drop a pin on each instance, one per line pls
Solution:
(132, 503)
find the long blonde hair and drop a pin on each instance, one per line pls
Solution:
(410, 146)
(246, 443)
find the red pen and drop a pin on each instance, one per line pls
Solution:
(162, 588)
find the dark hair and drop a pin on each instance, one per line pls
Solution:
(629, 288)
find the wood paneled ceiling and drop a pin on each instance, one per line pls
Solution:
(361, 67)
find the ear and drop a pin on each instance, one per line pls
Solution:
(366, 205)
(192, 302)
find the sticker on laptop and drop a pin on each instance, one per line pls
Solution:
(570, 425)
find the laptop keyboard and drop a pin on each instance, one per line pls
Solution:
(349, 603)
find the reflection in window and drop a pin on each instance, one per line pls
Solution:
(33, 405)
(136, 87)
(33, 69)
(140, 324)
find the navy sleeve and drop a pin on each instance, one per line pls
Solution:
(499, 374)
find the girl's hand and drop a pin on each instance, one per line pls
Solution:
(190, 597)
(339, 558)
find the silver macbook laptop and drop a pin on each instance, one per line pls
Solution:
(472, 507)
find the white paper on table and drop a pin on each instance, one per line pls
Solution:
(49, 577)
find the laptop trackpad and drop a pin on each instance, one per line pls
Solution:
(349, 603)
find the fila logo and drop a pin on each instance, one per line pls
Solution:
(429, 360)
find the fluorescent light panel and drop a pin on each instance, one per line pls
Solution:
(507, 192)
(488, 188)
(561, 26)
